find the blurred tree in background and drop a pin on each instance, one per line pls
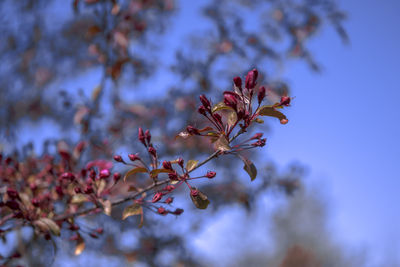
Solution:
(79, 77)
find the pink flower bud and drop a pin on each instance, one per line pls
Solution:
(116, 177)
(68, 176)
(35, 202)
(167, 165)
(210, 174)
(251, 79)
(88, 189)
(59, 191)
(133, 157)
(157, 196)
(77, 190)
(169, 188)
(230, 100)
(141, 136)
(104, 174)
(118, 158)
(194, 192)
(261, 94)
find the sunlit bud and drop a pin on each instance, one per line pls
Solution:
(104, 174)
(180, 162)
(206, 103)
(147, 135)
(116, 177)
(210, 174)
(192, 130)
(141, 136)
(169, 200)
(285, 101)
(261, 94)
(118, 158)
(202, 110)
(152, 151)
(12, 193)
(157, 196)
(162, 211)
(178, 211)
(133, 157)
(251, 79)
(167, 165)
(238, 82)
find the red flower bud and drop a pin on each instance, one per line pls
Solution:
(12, 193)
(147, 135)
(178, 211)
(74, 227)
(194, 192)
(261, 94)
(162, 211)
(169, 200)
(173, 176)
(251, 79)
(77, 190)
(118, 158)
(238, 83)
(88, 189)
(68, 176)
(210, 174)
(152, 151)
(141, 136)
(167, 165)
(206, 103)
(230, 100)
(180, 162)
(93, 235)
(133, 157)
(99, 230)
(202, 110)
(116, 177)
(59, 190)
(285, 101)
(12, 204)
(35, 202)
(104, 174)
(157, 196)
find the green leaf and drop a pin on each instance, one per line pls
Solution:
(272, 112)
(131, 210)
(191, 164)
(48, 225)
(200, 200)
(222, 143)
(249, 167)
(134, 171)
(156, 172)
(220, 106)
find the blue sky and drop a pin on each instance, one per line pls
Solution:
(344, 125)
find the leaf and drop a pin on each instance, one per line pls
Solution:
(183, 135)
(191, 164)
(80, 247)
(249, 167)
(222, 143)
(155, 172)
(79, 198)
(272, 112)
(131, 210)
(232, 118)
(48, 225)
(200, 200)
(220, 106)
(134, 171)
